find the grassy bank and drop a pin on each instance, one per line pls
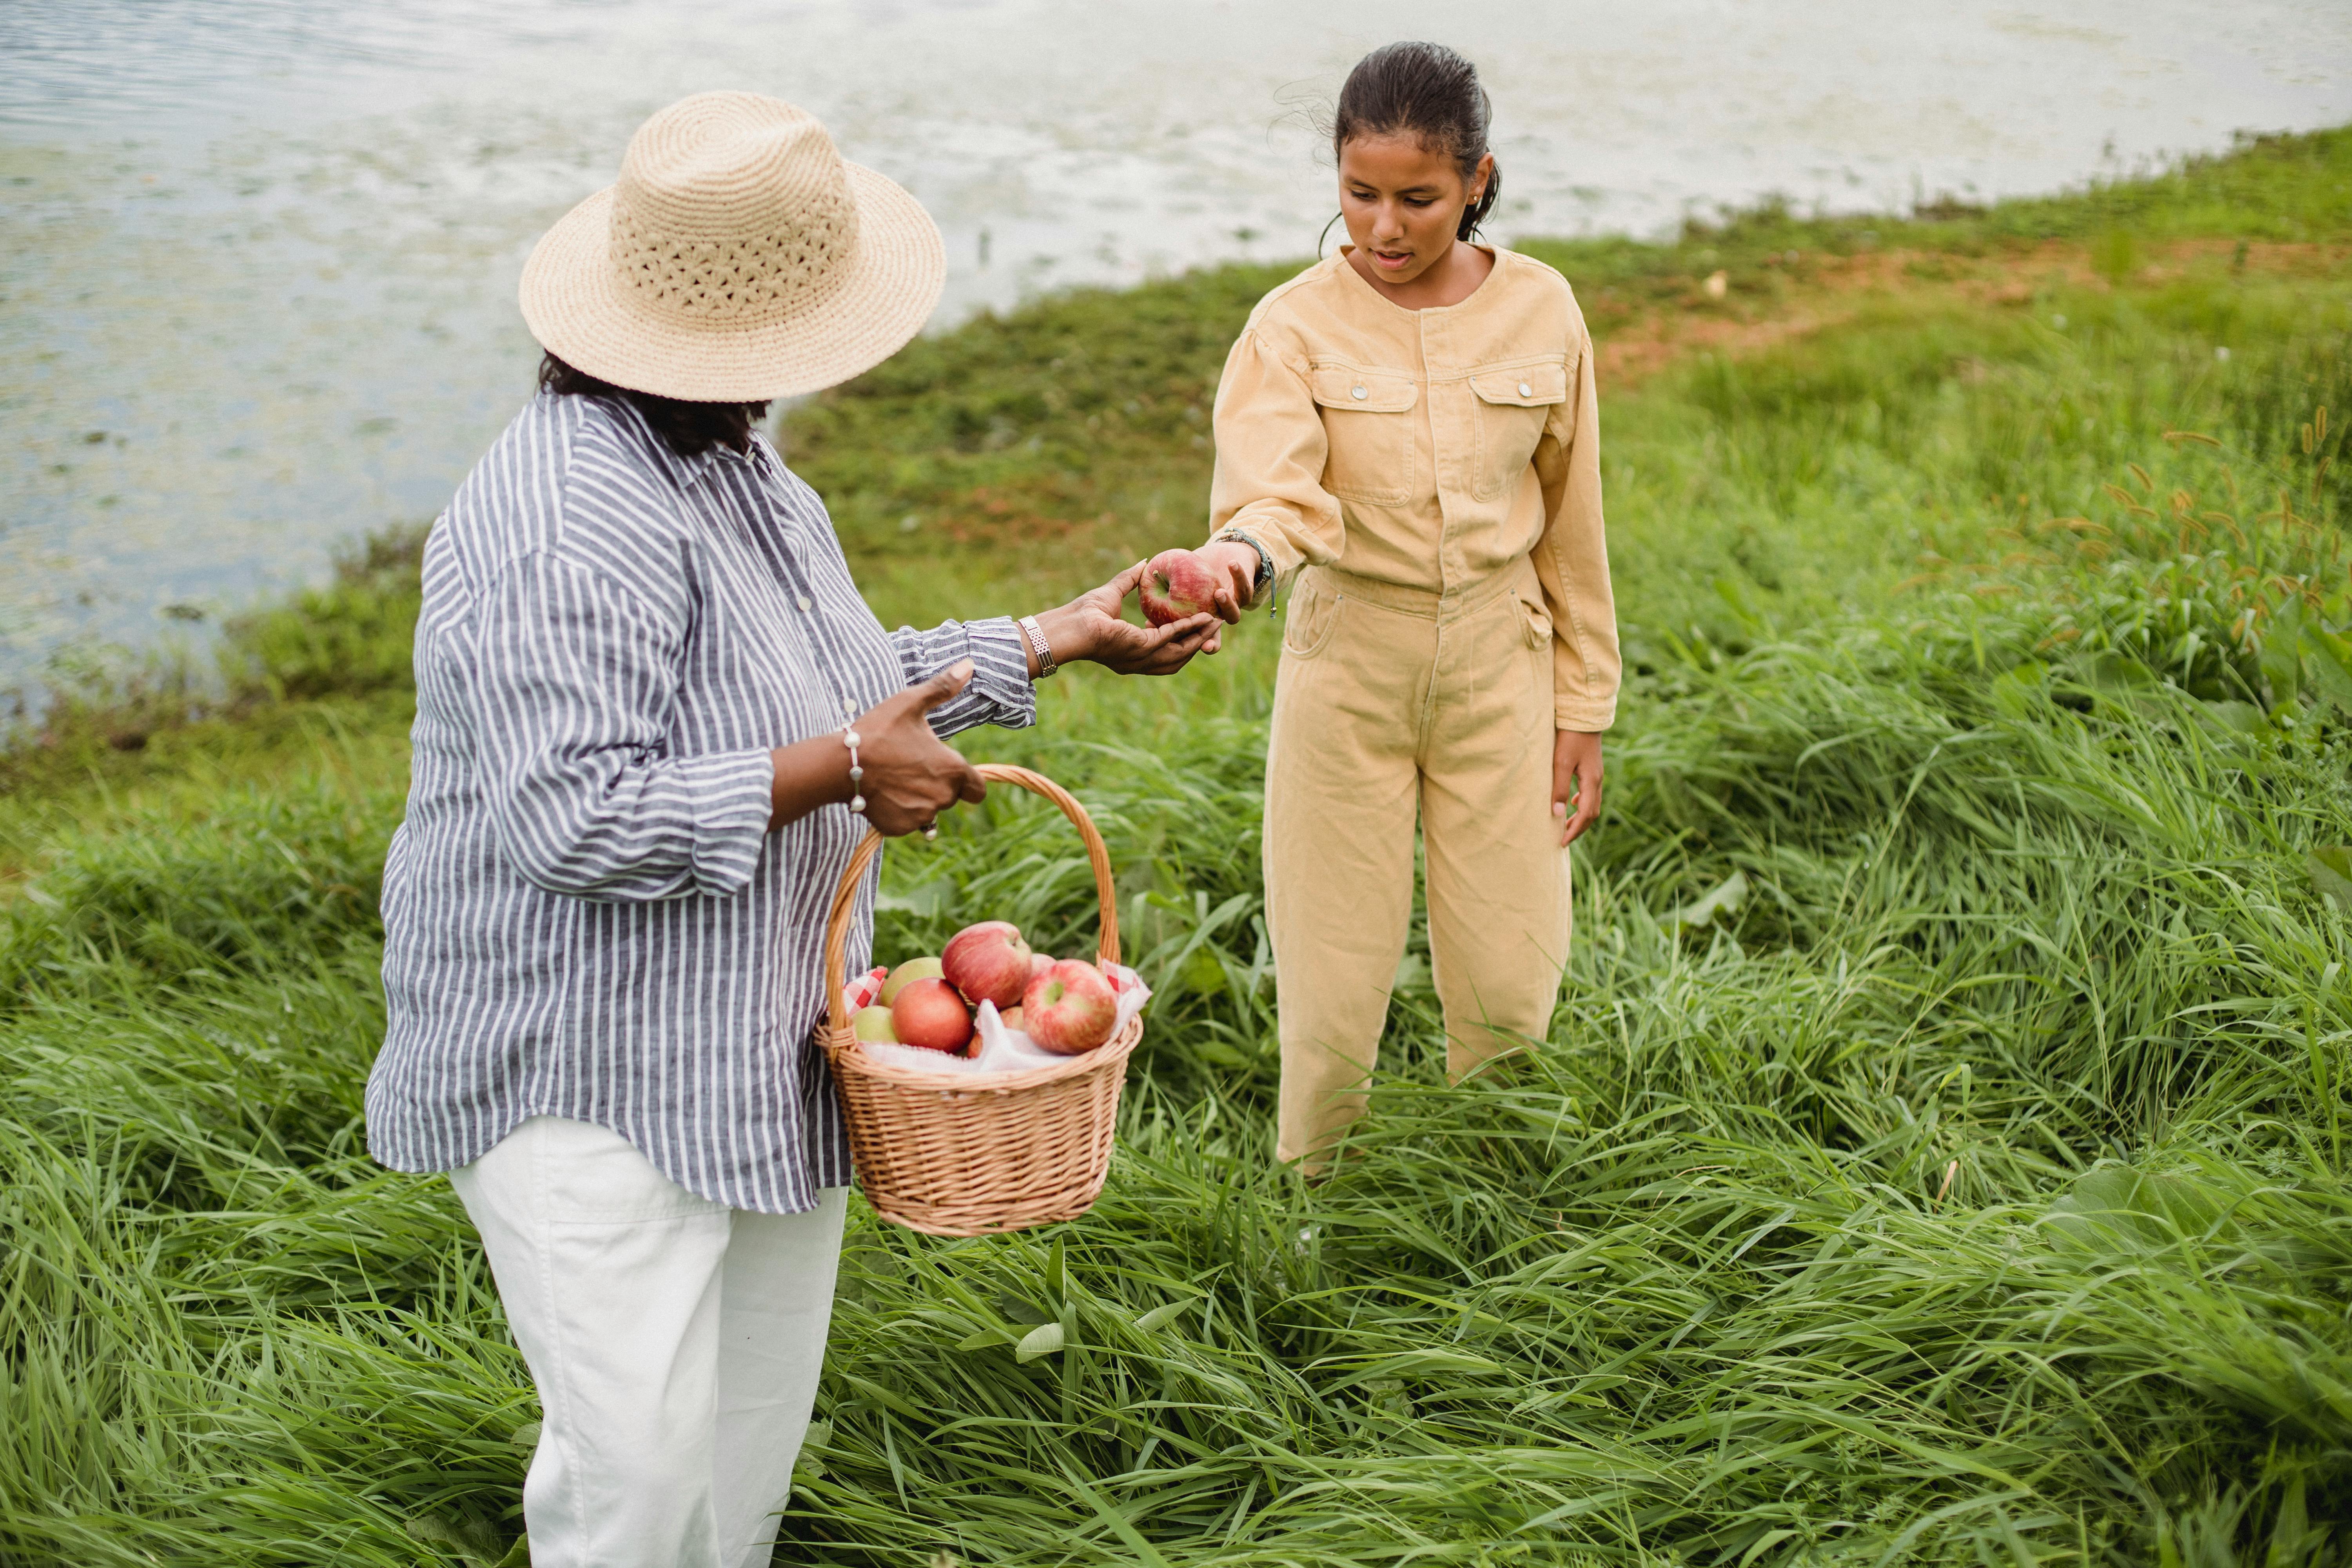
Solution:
(1938, 1157)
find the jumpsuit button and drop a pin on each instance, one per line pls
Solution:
(1360, 392)
(1526, 390)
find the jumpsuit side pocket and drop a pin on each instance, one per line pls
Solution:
(1312, 618)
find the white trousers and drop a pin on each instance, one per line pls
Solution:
(676, 1343)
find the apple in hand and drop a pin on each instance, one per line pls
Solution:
(987, 963)
(1070, 1008)
(1177, 584)
(872, 1024)
(905, 975)
(929, 1014)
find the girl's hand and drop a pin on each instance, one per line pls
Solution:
(1234, 566)
(1089, 627)
(1575, 778)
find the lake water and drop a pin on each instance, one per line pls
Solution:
(258, 257)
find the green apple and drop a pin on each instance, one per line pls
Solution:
(873, 1023)
(905, 975)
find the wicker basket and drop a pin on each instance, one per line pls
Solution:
(959, 1153)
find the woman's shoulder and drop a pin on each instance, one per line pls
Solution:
(573, 477)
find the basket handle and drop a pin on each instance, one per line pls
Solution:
(844, 897)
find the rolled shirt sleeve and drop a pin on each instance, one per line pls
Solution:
(1000, 691)
(574, 675)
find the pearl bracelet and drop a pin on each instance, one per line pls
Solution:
(856, 775)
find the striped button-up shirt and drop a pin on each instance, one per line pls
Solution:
(585, 912)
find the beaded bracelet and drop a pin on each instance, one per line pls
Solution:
(856, 775)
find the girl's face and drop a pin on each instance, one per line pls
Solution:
(1403, 202)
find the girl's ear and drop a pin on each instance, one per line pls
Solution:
(1486, 172)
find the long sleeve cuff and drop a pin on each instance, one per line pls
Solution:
(1263, 525)
(1587, 717)
(999, 692)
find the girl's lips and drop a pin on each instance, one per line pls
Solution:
(1391, 261)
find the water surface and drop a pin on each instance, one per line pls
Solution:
(258, 258)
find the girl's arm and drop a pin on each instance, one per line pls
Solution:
(1269, 476)
(1572, 557)
(1573, 563)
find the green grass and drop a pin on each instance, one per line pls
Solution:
(1940, 1157)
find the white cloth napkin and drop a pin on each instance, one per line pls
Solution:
(1008, 1050)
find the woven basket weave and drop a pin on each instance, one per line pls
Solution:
(960, 1153)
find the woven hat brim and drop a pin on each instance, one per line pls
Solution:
(877, 299)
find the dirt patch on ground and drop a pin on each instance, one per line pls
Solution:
(1803, 294)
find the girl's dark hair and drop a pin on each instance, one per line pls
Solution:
(1431, 92)
(690, 429)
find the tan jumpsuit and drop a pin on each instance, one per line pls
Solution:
(1428, 483)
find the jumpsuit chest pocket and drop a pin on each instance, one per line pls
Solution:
(1368, 431)
(1512, 406)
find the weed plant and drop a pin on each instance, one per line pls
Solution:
(1937, 1158)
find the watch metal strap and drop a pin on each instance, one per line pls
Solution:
(1038, 644)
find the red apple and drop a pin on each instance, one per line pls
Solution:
(1177, 584)
(987, 963)
(1070, 1008)
(929, 1014)
(1038, 963)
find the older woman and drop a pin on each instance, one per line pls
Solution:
(654, 718)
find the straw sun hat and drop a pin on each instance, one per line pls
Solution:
(738, 258)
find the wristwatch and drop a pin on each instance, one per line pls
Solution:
(1039, 645)
(1265, 578)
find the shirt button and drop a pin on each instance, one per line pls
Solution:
(1360, 392)
(803, 600)
(1526, 390)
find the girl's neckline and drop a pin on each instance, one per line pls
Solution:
(1494, 255)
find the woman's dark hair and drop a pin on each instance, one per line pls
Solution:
(1429, 91)
(690, 429)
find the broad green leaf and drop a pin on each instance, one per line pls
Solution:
(2331, 874)
(930, 898)
(525, 1436)
(2282, 651)
(2328, 660)
(1160, 1317)
(2237, 718)
(1021, 1311)
(983, 1339)
(1045, 1339)
(1725, 900)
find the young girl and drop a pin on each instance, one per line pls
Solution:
(1408, 431)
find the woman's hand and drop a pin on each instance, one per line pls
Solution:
(1575, 778)
(909, 776)
(1089, 627)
